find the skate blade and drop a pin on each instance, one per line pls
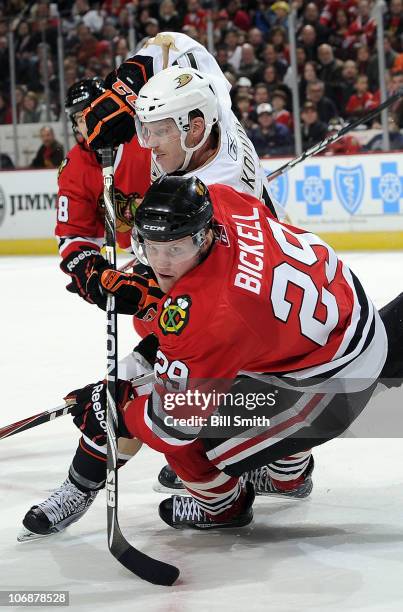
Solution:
(159, 488)
(25, 535)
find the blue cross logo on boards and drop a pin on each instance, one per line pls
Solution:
(279, 188)
(388, 187)
(313, 190)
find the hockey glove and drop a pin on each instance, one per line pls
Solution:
(78, 265)
(89, 410)
(133, 292)
(110, 118)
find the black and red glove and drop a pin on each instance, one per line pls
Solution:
(133, 292)
(110, 118)
(78, 265)
(89, 410)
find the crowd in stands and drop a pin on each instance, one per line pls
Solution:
(338, 76)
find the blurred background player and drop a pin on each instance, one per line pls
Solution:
(80, 229)
(80, 226)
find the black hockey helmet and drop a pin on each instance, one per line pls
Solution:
(174, 207)
(81, 94)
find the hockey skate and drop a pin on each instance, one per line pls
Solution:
(63, 507)
(168, 482)
(183, 512)
(263, 484)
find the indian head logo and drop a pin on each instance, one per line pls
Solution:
(125, 207)
(175, 315)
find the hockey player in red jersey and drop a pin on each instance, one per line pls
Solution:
(256, 305)
(80, 230)
(80, 226)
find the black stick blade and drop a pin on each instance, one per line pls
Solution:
(147, 568)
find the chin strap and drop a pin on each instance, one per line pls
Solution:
(190, 150)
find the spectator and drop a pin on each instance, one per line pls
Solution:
(264, 17)
(231, 40)
(242, 110)
(255, 38)
(315, 92)
(271, 78)
(5, 110)
(250, 65)
(31, 112)
(373, 66)
(328, 16)
(169, 19)
(87, 44)
(239, 18)
(278, 38)
(222, 59)
(308, 40)
(269, 137)
(50, 154)
(243, 86)
(4, 61)
(221, 26)
(362, 101)
(20, 92)
(122, 51)
(280, 113)
(396, 84)
(311, 17)
(261, 95)
(312, 129)
(310, 75)
(24, 44)
(337, 35)
(280, 10)
(349, 75)
(195, 15)
(330, 70)
(362, 30)
(395, 138)
(393, 21)
(362, 59)
(152, 27)
(270, 58)
(289, 75)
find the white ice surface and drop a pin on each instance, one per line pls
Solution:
(339, 550)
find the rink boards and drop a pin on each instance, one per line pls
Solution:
(352, 202)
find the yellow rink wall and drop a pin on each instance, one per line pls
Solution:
(352, 202)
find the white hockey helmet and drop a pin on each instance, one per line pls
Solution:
(172, 94)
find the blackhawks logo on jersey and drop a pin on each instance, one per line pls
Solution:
(62, 166)
(175, 315)
(125, 206)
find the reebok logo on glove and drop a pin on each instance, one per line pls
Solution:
(97, 406)
(83, 255)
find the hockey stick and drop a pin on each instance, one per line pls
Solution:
(330, 139)
(135, 561)
(54, 413)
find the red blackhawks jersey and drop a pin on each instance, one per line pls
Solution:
(80, 213)
(270, 299)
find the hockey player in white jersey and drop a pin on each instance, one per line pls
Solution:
(182, 114)
(110, 117)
